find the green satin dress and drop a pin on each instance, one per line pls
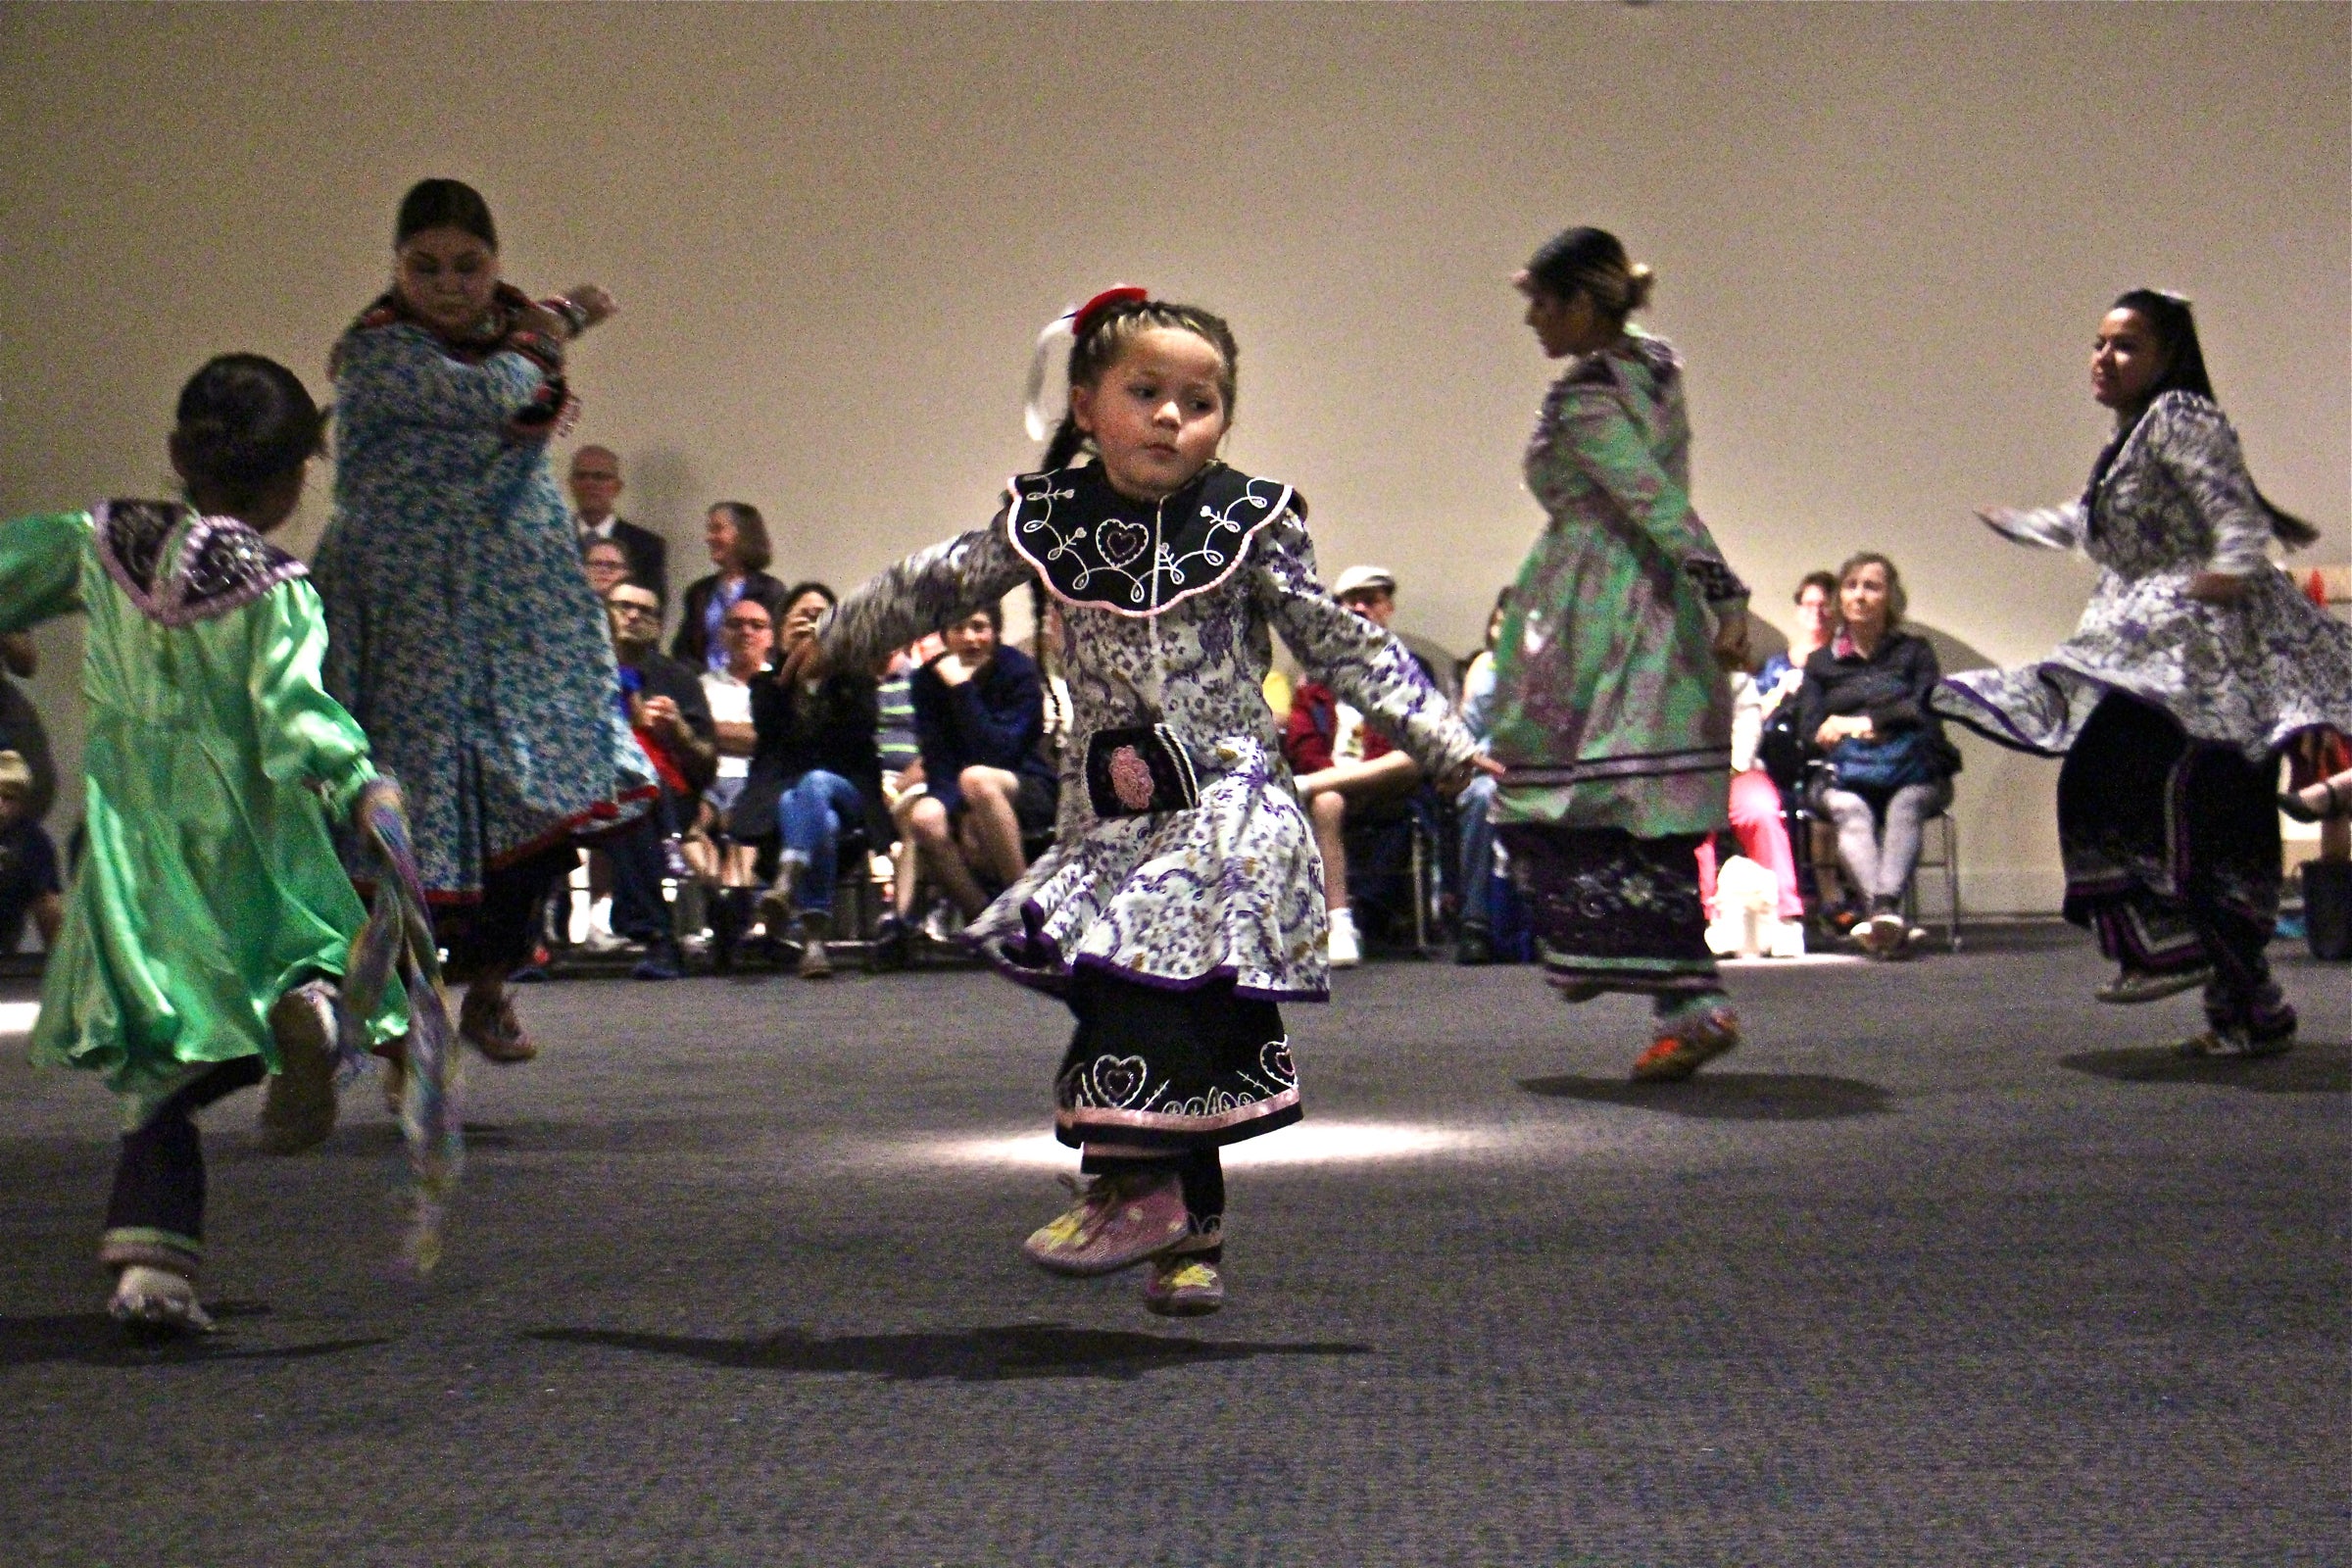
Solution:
(213, 760)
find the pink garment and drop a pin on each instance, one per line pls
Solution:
(1763, 835)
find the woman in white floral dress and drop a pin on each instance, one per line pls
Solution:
(1182, 899)
(2194, 665)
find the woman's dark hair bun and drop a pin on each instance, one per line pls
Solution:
(243, 420)
(443, 204)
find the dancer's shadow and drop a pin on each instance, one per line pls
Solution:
(2304, 1070)
(984, 1354)
(1729, 1096)
(92, 1339)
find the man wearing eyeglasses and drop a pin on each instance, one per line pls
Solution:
(596, 487)
(664, 702)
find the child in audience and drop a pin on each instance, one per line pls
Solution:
(209, 919)
(1182, 899)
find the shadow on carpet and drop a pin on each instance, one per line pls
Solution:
(2304, 1070)
(92, 1339)
(969, 1355)
(1729, 1096)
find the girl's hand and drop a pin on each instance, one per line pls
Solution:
(2217, 588)
(596, 302)
(378, 794)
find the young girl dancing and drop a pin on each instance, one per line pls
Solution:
(1182, 899)
(209, 919)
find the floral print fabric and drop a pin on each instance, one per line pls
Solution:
(1233, 889)
(1610, 710)
(2252, 675)
(463, 636)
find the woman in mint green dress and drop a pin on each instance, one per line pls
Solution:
(209, 919)
(1612, 716)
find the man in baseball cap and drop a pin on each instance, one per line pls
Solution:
(1342, 764)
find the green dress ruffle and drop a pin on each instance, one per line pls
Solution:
(214, 763)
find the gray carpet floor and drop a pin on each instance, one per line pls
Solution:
(1948, 1265)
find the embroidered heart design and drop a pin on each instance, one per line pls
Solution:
(1121, 541)
(1130, 778)
(1118, 1080)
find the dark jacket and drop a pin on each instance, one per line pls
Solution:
(20, 732)
(693, 641)
(799, 730)
(994, 719)
(1891, 687)
(648, 551)
(660, 676)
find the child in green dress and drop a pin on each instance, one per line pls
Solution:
(209, 919)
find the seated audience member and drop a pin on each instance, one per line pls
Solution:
(664, 702)
(596, 487)
(29, 880)
(1341, 764)
(1863, 709)
(607, 564)
(1475, 942)
(901, 756)
(1759, 820)
(749, 638)
(1816, 604)
(736, 536)
(1783, 753)
(979, 715)
(814, 776)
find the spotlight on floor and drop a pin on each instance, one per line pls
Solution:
(15, 1018)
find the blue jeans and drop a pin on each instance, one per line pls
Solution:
(1477, 836)
(810, 815)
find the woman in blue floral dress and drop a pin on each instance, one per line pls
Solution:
(463, 634)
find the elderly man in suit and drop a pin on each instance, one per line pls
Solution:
(596, 486)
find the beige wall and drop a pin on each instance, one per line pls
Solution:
(1882, 235)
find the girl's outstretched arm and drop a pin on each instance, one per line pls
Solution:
(306, 735)
(1363, 664)
(919, 595)
(41, 567)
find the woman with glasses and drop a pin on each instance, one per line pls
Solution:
(463, 633)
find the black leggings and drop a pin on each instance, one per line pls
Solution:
(494, 938)
(156, 1213)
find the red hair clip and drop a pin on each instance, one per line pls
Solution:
(1120, 294)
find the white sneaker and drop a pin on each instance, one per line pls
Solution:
(1345, 952)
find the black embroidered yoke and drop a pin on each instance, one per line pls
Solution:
(1096, 548)
(220, 562)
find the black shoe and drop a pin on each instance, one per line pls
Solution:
(662, 961)
(1474, 946)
